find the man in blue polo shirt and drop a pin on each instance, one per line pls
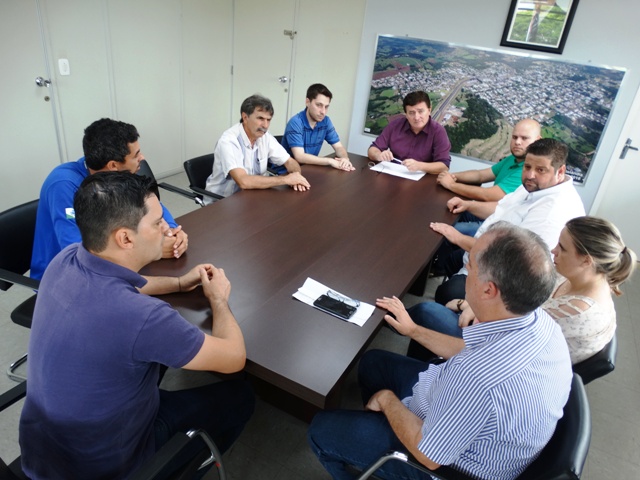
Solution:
(94, 409)
(306, 132)
(108, 145)
(492, 406)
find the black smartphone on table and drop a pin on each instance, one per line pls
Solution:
(334, 307)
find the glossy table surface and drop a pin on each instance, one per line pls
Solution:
(363, 233)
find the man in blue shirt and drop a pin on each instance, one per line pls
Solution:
(108, 145)
(306, 132)
(94, 409)
(492, 406)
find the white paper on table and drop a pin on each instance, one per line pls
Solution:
(397, 170)
(311, 290)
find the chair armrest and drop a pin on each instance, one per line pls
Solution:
(442, 473)
(154, 465)
(202, 191)
(181, 191)
(13, 395)
(163, 458)
(11, 277)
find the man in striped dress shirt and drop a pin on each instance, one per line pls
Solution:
(492, 406)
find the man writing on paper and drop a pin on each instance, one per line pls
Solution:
(307, 131)
(243, 151)
(415, 139)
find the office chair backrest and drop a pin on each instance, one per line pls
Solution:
(563, 458)
(145, 170)
(198, 170)
(599, 364)
(18, 226)
(566, 453)
(279, 138)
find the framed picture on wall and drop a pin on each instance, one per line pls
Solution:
(541, 25)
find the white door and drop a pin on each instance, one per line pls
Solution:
(262, 55)
(28, 139)
(620, 199)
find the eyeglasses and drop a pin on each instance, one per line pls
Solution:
(371, 165)
(341, 298)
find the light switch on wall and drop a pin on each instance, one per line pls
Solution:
(63, 66)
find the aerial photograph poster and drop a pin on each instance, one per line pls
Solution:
(478, 95)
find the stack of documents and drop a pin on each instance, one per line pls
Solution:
(311, 290)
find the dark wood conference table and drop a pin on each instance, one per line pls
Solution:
(362, 233)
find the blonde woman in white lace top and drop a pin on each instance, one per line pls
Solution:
(593, 261)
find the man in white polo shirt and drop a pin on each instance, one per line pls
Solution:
(243, 151)
(543, 204)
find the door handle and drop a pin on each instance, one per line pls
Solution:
(283, 79)
(41, 82)
(626, 148)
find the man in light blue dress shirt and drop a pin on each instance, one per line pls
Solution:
(492, 406)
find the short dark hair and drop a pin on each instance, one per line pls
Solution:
(255, 101)
(519, 263)
(318, 89)
(105, 140)
(107, 201)
(414, 98)
(552, 149)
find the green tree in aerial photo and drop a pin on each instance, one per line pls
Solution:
(541, 22)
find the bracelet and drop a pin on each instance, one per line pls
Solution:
(459, 304)
(179, 285)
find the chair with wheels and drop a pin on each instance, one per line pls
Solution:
(198, 170)
(145, 170)
(563, 458)
(202, 452)
(599, 364)
(15, 260)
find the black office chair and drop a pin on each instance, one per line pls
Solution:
(198, 170)
(203, 452)
(16, 244)
(599, 364)
(563, 458)
(145, 170)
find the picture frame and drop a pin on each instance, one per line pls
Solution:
(541, 25)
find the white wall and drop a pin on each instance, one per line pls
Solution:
(163, 66)
(602, 33)
(327, 51)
